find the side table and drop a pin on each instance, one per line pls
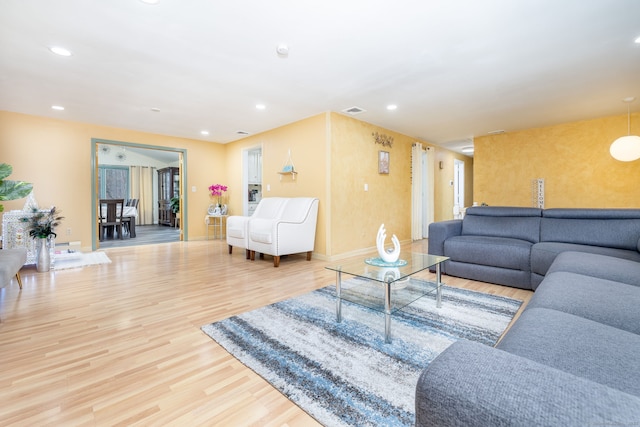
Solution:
(217, 222)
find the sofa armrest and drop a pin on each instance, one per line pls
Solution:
(474, 384)
(441, 231)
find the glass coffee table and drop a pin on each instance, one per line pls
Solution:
(387, 289)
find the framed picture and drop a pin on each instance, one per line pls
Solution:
(383, 162)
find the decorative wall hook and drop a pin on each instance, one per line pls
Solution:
(384, 140)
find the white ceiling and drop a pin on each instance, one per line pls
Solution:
(456, 69)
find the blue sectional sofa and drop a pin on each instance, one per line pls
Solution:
(572, 357)
(515, 246)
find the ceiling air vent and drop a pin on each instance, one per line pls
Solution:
(354, 110)
(242, 132)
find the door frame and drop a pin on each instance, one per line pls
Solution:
(182, 160)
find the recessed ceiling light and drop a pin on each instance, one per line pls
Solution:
(204, 132)
(60, 51)
(261, 106)
(155, 109)
(637, 40)
(282, 50)
(496, 132)
(150, 1)
(468, 150)
(392, 107)
(57, 107)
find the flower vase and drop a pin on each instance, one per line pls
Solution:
(43, 258)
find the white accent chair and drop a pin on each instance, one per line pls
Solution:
(237, 234)
(292, 231)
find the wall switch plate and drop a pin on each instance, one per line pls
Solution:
(366, 187)
(193, 189)
(268, 187)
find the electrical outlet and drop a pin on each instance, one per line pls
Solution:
(69, 231)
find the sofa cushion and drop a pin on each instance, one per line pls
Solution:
(576, 345)
(544, 253)
(487, 250)
(595, 265)
(604, 301)
(486, 273)
(471, 384)
(613, 228)
(515, 223)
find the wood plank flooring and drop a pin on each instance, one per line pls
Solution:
(120, 344)
(145, 235)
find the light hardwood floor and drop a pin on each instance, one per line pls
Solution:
(120, 344)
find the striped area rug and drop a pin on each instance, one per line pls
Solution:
(343, 374)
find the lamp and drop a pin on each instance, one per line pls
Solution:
(626, 148)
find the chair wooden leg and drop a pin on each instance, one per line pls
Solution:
(309, 255)
(247, 254)
(276, 261)
(252, 255)
(19, 279)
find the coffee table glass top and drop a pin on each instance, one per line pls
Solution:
(368, 288)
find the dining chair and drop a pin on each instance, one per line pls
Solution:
(132, 203)
(111, 217)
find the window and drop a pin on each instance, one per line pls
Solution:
(113, 182)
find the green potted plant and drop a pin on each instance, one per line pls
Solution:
(41, 226)
(175, 204)
(11, 190)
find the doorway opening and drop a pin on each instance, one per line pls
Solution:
(126, 170)
(458, 189)
(422, 190)
(251, 179)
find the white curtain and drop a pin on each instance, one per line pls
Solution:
(429, 192)
(422, 190)
(141, 188)
(416, 191)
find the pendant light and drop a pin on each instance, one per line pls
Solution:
(626, 148)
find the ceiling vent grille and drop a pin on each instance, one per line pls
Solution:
(354, 110)
(242, 132)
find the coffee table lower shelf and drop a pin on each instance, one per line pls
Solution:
(398, 290)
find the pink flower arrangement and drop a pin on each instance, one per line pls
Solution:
(218, 190)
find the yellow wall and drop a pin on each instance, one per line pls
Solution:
(55, 155)
(443, 177)
(356, 214)
(573, 159)
(334, 156)
(306, 140)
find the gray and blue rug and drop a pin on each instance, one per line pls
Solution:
(343, 374)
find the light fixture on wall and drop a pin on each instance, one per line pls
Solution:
(626, 148)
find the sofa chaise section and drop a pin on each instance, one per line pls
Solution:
(472, 384)
(570, 359)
